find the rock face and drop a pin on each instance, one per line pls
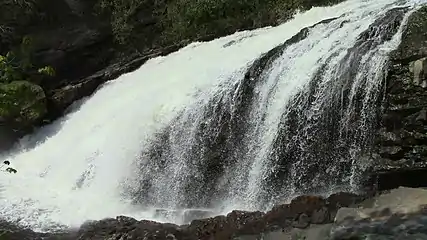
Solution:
(402, 138)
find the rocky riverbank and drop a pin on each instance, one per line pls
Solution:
(396, 214)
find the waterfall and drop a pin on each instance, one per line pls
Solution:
(240, 122)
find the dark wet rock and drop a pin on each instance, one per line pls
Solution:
(307, 204)
(397, 214)
(62, 97)
(192, 214)
(128, 228)
(413, 42)
(7, 137)
(402, 138)
(321, 215)
(400, 212)
(184, 216)
(9, 231)
(12, 232)
(344, 199)
(396, 226)
(303, 221)
(393, 178)
(302, 213)
(392, 215)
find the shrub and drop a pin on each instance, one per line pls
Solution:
(16, 65)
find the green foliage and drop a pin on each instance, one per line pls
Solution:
(48, 71)
(17, 65)
(8, 70)
(190, 18)
(179, 20)
(22, 101)
(122, 14)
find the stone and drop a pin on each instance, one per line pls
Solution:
(302, 222)
(387, 216)
(320, 216)
(343, 199)
(419, 70)
(413, 39)
(306, 204)
(192, 214)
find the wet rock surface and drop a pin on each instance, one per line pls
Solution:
(398, 214)
(62, 96)
(402, 136)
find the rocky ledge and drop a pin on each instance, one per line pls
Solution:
(301, 212)
(396, 214)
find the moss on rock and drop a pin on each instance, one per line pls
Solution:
(22, 103)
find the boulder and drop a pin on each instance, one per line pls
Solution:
(400, 212)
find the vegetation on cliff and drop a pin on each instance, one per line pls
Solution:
(17, 65)
(22, 101)
(177, 20)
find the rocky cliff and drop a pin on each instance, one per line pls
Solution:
(401, 157)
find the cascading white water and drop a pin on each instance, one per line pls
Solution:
(76, 169)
